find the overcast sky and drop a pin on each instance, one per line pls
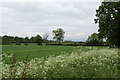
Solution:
(31, 18)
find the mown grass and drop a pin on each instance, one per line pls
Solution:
(37, 51)
(34, 51)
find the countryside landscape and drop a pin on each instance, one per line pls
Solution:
(59, 40)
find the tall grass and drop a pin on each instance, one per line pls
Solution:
(95, 63)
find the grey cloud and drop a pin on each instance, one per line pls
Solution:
(28, 19)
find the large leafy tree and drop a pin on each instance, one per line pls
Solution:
(59, 34)
(108, 18)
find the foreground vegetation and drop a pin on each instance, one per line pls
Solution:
(90, 63)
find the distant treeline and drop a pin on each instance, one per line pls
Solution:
(17, 40)
(9, 40)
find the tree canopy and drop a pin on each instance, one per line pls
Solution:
(59, 34)
(108, 18)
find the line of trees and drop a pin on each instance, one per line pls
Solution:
(58, 36)
(93, 39)
(17, 40)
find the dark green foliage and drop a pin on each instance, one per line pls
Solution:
(108, 18)
(26, 40)
(19, 39)
(32, 40)
(94, 40)
(59, 34)
(38, 39)
(7, 39)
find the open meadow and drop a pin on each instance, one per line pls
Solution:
(37, 51)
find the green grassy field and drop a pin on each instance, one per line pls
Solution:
(35, 51)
